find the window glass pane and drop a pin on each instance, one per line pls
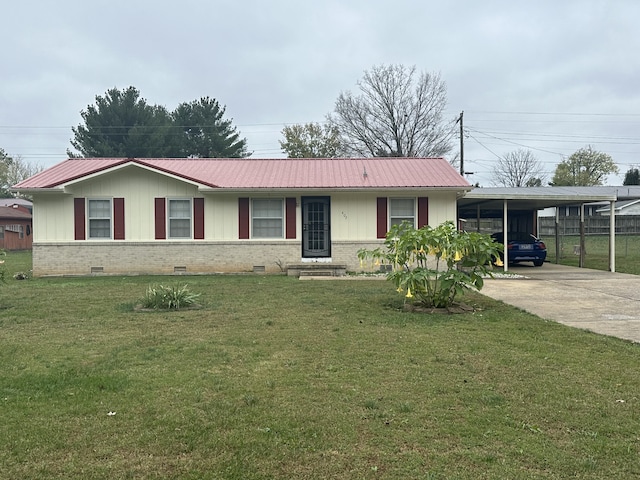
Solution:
(99, 208)
(179, 228)
(401, 210)
(267, 208)
(99, 218)
(267, 228)
(401, 207)
(267, 218)
(179, 208)
(99, 228)
(180, 218)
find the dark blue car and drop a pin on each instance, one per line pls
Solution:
(523, 247)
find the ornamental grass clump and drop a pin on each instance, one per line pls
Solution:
(164, 297)
(431, 266)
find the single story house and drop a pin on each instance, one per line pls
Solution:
(165, 216)
(15, 228)
(623, 207)
(20, 202)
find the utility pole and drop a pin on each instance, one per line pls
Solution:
(461, 144)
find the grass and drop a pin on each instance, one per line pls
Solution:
(597, 252)
(279, 378)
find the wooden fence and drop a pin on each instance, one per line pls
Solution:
(625, 224)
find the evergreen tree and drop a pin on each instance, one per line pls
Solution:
(201, 131)
(122, 124)
(632, 177)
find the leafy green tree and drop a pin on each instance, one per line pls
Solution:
(632, 177)
(311, 140)
(398, 113)
(200, 131)
(121, 124)
(586, 167)
(435, 265)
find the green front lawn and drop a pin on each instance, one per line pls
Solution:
(279, 378)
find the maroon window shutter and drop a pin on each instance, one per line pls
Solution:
(243, 218)
(382, 217)
(160, 218)
(423, 211)
(79, 219)
(291, 217)
(198, 218)
(118, 218)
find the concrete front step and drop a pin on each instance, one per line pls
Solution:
(316, 270)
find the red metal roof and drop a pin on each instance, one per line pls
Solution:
(282, 173)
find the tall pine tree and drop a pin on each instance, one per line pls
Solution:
(122, 124)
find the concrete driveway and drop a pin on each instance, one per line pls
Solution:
(603, 302)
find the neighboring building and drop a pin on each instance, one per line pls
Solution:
(624, 207)
(15, 228)
(21, 202)
(593, 209)
(164, 216)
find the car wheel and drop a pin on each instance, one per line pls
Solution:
(538, 263)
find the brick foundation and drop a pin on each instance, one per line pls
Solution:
(167, 258)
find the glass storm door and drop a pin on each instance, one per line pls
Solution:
(316, 241)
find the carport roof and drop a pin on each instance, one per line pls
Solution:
(532, 198)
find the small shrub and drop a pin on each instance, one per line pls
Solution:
(22, 275)
(162, 297)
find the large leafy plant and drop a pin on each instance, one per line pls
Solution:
(434, 265)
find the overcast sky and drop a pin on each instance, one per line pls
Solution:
(549, 75)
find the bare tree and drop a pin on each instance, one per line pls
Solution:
(13, 170)
(519, 168)
(397, 114)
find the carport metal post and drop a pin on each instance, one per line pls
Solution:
(557, 232)
(582, 245)
(505, 253)
(612, 237)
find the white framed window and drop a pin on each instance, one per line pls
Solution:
(402, 210)
(179, 217)
(267, 218)
(99, 218)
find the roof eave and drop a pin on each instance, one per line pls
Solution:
(457, 189)
(32, 191)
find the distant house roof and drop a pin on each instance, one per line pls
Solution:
(8, 202)
(284, 173)
(13, 214)
(621, 205)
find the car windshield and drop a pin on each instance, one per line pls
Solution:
(518, 237)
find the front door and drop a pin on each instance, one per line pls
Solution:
(316, 237)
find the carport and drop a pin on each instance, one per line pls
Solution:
(518, 208)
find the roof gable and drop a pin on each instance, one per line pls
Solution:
(284, 173)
